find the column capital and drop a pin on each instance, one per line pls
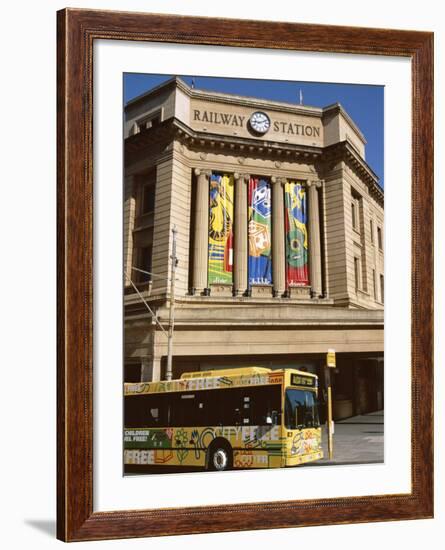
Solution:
(202, 171)
(280, 180)
(314, 183)
(241, 176)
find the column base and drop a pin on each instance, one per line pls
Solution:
(200, 291)
(238, 293)
(279, 293)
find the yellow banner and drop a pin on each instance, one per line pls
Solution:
(221, 229)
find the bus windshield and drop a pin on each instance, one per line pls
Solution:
(301, 410)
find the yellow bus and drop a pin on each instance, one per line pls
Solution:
(235, 418)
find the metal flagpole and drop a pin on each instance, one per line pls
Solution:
(171, 324)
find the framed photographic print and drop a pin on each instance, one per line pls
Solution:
(245, 275)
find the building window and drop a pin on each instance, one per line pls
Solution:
(144, 264)
(148, 198)
(371, 229)
(356, 211)
(374, 282)
(354, 215)
(143, 252)
(146, 194)
(379, 238)
(382, 289)
(357, 273)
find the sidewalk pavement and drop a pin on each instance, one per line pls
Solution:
(357, 440)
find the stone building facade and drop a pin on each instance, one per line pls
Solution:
(253, 184)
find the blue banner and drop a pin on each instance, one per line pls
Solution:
(260, 244)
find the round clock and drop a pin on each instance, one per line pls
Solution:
(259, 122)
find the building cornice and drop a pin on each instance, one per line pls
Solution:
(274, 315)
(153, 92)
(336, 109)
(256, 103)
(228, 99)
(346, 152)
(241, 146)
(244, 146)
(193, 139)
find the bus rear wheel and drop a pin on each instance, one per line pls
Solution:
(220, 458)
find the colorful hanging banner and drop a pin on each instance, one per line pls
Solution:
(260, 242)
(296, 234)
(220, 229)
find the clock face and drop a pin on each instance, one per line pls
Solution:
(259, 122)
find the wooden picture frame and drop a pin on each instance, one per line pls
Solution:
(77, 31)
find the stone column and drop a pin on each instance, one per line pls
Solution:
(129, 216)
(278, 237)
(201, 235)
(314, 239)
(146, 369)
(240, 235)
(150, 369)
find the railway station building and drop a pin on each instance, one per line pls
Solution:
(279, 240)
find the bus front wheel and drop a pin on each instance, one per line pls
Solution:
(220, 458)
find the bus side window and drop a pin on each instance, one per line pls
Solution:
(190, 409)
(275, 418)
(231, 407)
(158, 410)
(154, 415)
(214, 407)
(133, 411)
(265, 405)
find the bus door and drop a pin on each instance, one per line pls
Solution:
(302, 425)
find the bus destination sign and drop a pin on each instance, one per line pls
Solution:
(301, 380)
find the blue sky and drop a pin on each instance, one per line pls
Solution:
(363, 103)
